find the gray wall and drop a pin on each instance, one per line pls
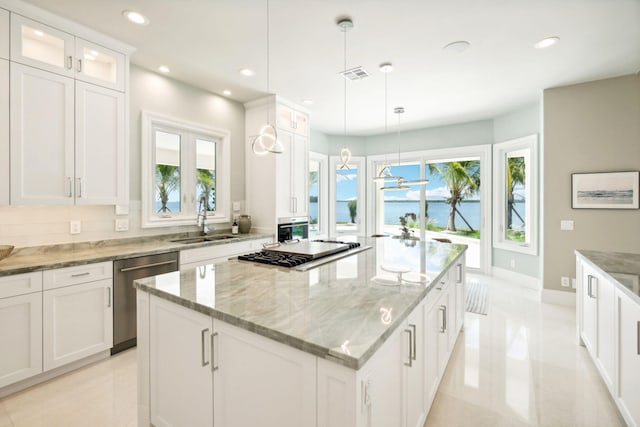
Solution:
(523, 122)
(160, 94)
(589, 127)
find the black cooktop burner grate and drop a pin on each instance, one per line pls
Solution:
(274, 258)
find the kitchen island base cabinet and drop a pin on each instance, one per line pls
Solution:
(629, 360)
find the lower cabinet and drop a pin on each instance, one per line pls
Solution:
(628, 393)
(21, 337)
(415, 367)
(77, 322)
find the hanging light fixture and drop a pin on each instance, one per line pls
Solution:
(345, 25)
(385, 172)
(401, 183)
(267, 139)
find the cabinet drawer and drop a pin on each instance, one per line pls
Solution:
(77, 274)
(20, 284)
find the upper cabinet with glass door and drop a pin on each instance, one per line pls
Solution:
(50, 49)
(4, 34)
(293, 121)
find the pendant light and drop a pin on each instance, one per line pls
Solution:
(401, 183)
(345, 25)
(385, 172)
(267, 139)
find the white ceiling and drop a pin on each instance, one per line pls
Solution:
(206, 42)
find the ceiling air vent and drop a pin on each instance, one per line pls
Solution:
(357, 73)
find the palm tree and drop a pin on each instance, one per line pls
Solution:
(207, 185)
(463, 180)
(167, 180)
(515, 176)
(353, 209)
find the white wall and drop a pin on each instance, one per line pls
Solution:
(40, 225)
(589, 127)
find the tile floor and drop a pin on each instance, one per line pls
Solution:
(517, 366)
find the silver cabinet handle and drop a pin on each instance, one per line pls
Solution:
(69, 62)
(79, 187)
(214, 349)
(410, 364)
(69, 185)
(414, 350)
(203, 348)
(459, 273)
(590, 286)
(443, 310)
(79, 65)
(154, 264)
(638, 337)
(108, 297)
(86, 273)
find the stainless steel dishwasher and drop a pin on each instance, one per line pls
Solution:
(125, 271)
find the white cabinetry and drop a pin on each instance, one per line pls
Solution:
(597, 296)
(628, 393)
(77, 313)
(277, 184)
(4, 34)
(4, 131)
(48, 48)
(180, 366)
(203, 372)
(415, 367)
(20, 327)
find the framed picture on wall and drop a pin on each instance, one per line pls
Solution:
(605, 190)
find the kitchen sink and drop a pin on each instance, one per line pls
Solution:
(202, 239)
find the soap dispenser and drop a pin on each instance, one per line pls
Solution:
(234, 226)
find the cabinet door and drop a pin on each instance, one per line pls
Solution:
(629, 359)
(459, 278)
(300, 175)
(100, 156)
(42, 137)
(4, 130)
(41, 46)
(181, 387)
(4, 34)
(21, 333)
(99, 65)
(589, 323)
(604, 292)
(444, 332)
(415, 372)
(285, 203)
(432, 340)
(77, 322)
(259, 382)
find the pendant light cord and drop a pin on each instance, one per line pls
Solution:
(344, 68)
(268, 57)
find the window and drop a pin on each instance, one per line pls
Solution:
(347, 185)
(318, 194)
(185, 168)
(515, 187)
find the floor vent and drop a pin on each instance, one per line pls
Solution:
(357, 73)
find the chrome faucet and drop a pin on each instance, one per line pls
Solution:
(202, 216)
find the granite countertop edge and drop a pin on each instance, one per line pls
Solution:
(587, 256)
(67, 255)
(300, 344)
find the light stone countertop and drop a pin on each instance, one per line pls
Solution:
(623, 269)
(341, 311)
(36, 258)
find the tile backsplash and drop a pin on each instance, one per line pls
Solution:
(45, 225)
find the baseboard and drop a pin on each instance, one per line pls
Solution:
(519, 278)
(551, 296)
(45, 376)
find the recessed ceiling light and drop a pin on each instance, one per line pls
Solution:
(548, 42)
(163, 69)
(457, 47)
(307, 101)
(38, 33)
(226, 92)
(135, 17)
(246, 72)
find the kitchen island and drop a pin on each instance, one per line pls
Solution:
(362, 341)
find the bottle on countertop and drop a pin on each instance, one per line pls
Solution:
(234, 227)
